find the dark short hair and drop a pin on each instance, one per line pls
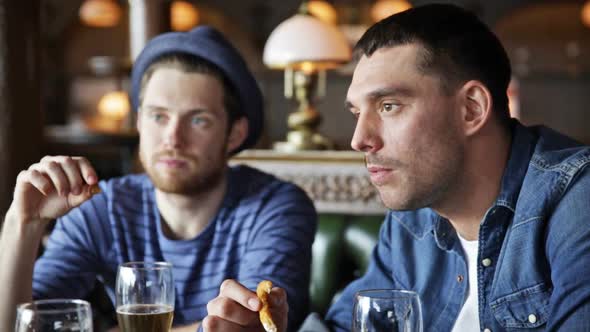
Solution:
(457, 47)
(192, 64)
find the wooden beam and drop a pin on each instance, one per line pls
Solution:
(20, 106)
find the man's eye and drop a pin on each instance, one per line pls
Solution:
(199, 121)
(388, 107)
(157, 117)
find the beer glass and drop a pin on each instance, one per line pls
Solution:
(388, 310)
(145, 297)
(58, 315)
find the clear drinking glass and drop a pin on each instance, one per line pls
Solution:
(145, 297)
(58, 315)
(388, 310)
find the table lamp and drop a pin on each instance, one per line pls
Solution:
(305, 47)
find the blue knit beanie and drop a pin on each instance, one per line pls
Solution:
(210, 45)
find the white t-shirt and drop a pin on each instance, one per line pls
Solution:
(468, 319)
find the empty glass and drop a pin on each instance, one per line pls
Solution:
(59, 315)
(145, 297)
(387, 310)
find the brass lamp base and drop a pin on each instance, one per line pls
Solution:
(303, 139)
(304, 122)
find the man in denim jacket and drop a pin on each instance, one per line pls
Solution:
(490, 220)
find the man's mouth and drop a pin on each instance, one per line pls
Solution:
(379, 174)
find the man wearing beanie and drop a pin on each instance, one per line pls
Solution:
(197, 105)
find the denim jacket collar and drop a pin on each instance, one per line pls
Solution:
(423, 221)
(521, 151)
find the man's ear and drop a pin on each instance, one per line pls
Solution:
(476, 108)
(237, 134)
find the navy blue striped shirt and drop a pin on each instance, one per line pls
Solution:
(263, 230)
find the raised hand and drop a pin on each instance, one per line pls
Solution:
(52, 187)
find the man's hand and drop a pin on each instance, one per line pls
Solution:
(45, 191)
(236, 309)
(52, 187)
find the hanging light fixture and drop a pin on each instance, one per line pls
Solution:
(100, 13)
(585, 14)
(183, 16)
(323, 10)
(384, 8)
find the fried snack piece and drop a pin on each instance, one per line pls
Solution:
(262, 291)
(94, 189)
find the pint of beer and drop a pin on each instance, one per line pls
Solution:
(145, 297)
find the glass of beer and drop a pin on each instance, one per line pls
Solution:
(145, 297)
(63, 315)
(386, 310)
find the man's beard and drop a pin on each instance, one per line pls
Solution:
(202, 175)
(417, 190)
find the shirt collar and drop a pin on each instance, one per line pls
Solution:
(417, 222)
(521, 151)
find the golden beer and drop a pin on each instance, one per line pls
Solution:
(145, 318)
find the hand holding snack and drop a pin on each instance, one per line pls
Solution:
(52, 187)
(239, 309)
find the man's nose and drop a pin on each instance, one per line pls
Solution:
(366, 137)
(173, 134)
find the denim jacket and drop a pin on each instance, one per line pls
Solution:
(534, 248)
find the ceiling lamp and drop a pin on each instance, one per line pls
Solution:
(100, 13)
(384, 8)
(183, 16)
(586, 14)
(323, 10)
